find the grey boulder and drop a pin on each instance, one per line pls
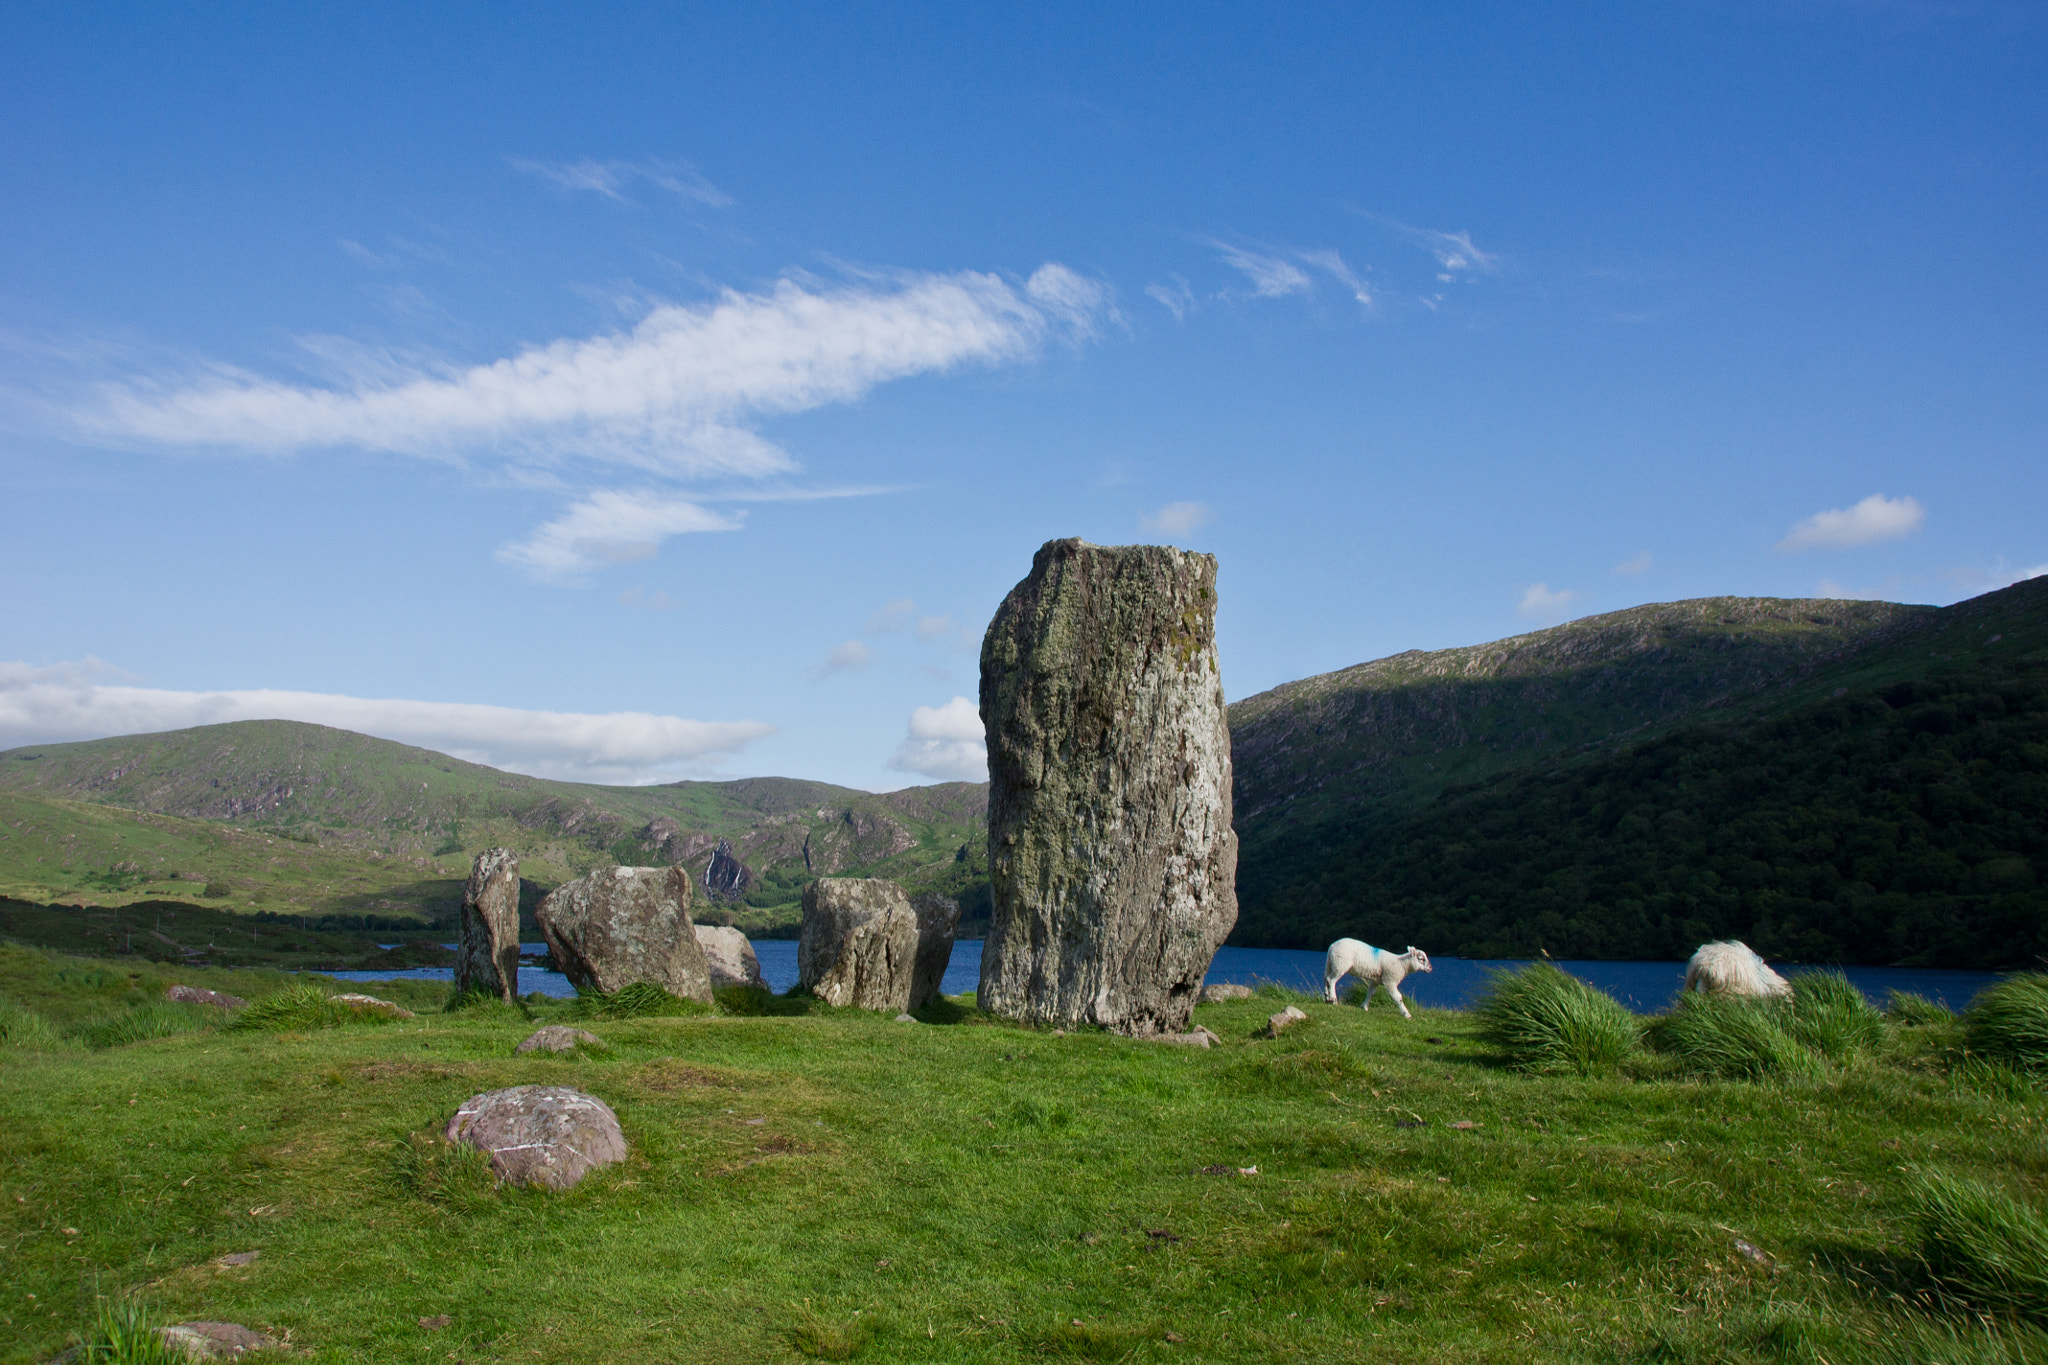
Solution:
(621, 925)
(1212, 995)
(199, 995)
(213, 1340)
(730, 957)
(558, 1038)
(1111, 858)
(487, 950)
(858, 945)
(937, 919)
(546, 1135)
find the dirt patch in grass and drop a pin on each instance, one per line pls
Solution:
(666, 1076)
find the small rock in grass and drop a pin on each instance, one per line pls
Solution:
(1173, 1338)
(540, 1134)
(214, 1340)
(1196, 1037)
(558, 1038)
(1463, 1125)
(199, 995)
(238, 1258)
(436, 1322)
(361, 1003)
(1753, 1253)
(1215, 994)
(906, 1018)
(1285, 1019)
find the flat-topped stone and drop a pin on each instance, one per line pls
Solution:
(546, 1135)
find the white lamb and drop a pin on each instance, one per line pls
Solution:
(1732, 968)
(1374, 967)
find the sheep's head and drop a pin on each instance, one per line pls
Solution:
(1418, 961)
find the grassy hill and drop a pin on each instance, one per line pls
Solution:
(309, 820)
(1884, 801)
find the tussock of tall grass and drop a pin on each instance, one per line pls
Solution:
(303, 1007)
(1982, 1244)
(641, 1000)
(126, 1334)
(23, 1027)
(2009, 1021)
(1734, 1038)
(1916, 1011)
(1547, 1020)
(146, 1020)
(476, 1003)
(1831, 1017)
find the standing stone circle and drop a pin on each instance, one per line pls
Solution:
(540, 1134)
(730, 957)
(487, 953)
(621, 925)
(858, 945)
(1111, 857)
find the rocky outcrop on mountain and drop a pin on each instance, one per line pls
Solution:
(1111, 856)
(671, 843)
(726, 878)
(854, 838)
(487, 951)
(937, 918)
(730, 957)
(546, 1135)
(860, 944)
(620, 925)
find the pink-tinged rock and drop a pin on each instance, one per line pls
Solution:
(546, 1135)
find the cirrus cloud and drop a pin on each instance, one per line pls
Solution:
(1873, 519)
(65, 702)
(946, 742)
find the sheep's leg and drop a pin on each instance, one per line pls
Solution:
(1365, 1000)
(1330, 986)
(1395, 991)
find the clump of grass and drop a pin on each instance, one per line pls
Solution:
(1981, 1243)
(1095, 1341)
(1989, 1076)
(1734, 1038)
(139, 1023)
(454, 1175)
(1547, 1020)
(822, 1339)
(1916, 1011)
(1831, 1017)
(126, 1334)
(641, 1000)
(479, 1003)
(25, 1028)
(302, 1007)
(2009, 1021)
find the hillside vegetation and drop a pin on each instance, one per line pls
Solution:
(1887, 805)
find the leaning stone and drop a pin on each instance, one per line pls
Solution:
(730, 957)
(1281, 1022)
(1111, 856)
(1212, 995)
(487, 955)
(199, 995)
(370, 1004)
(859, 943)
(937, 918)
(620, 925)
(540, 1134)
(558, 1038)
(213, 1340)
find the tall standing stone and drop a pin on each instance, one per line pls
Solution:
(487, 949)
(938, 917)
(1111, 857)
(864, 944)
(620, 925)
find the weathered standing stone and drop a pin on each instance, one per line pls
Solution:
(620, 925)
(540, 1134)
(1111, 856)
(859, 943)
(937, 917)
(487, 955)
(730, 957)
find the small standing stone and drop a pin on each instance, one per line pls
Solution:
(859, 943)
(540, 1134)
(730, 957)
(558, 1038)
(620, 925)
(487, 953)
(937, 919)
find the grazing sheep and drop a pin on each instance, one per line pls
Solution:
(1374, 967)
(1731, 968)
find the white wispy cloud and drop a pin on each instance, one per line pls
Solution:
(946, 742)
(1540, 602)
(1638, 563)
(65, 702)
(1177, 518)
(891, 616)
(1456, 254)
(1272, 277)
(677, 396)
(609, 527)
(1175, 298)
(1873, 519)
(848, 656)
(610, 178)
(1333, 263)
(1079, 302)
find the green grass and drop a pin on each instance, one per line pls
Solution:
(1832, 1019)
(2010, 1022)
(1547, 1020)
(304, 1006)
(1981, 1243)
(125, 1334)
(1733, 1038)
(817, 1184)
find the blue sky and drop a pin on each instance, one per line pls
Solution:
(676, 392)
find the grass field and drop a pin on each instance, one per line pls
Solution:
(818, 1184)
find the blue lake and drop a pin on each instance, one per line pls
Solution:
(1642, 986)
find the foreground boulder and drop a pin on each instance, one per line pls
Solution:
(620, 925)
(730, 957)
(937, 919)
(558, 1038)
(546, 1135)
(487, 953)
(199, 995)
(213, 1340)
(859, 943)
(1111, 857)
